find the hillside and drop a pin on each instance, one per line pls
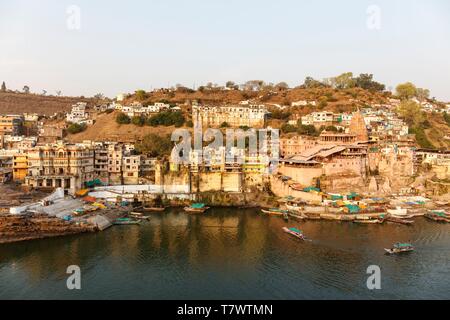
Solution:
(438, 131)
(13, 103)
(107, 129)
(335, 99)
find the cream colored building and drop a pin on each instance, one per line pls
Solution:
(66, 166)
(252, 116)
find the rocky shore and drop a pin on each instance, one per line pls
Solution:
(15, 228)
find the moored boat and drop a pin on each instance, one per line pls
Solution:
(438, 216)
(274, 212)
(154, 209)
(294, 232)
(399, 220)
(369, 221)
(125, 221)
(400, 248)
(196, 208)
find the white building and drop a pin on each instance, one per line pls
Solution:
(78, 114)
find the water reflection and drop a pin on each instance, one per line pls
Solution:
(230, 254)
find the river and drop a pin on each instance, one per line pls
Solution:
(231, 254)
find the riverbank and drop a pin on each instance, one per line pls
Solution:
(17, 228)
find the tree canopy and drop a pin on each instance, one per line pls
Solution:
(406, 90)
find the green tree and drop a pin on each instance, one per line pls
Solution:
(167, 119)
(138, 121)
(311, 83)
(365, 81)
(155, 145)
(122, 118)
(3, 87)
(406, 90)
(288, 128)
(75, 128)
(141, 95)
(411, 112)
(447, 118)
(422, 94)
(26, 89)
(224, 125)
(343, 81)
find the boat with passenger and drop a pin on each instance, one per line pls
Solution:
(294, 232)
(400, 248)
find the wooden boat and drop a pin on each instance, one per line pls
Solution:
(196, 208)
(139, 216)
(369, 221)
(274, 212)
(400, 248)
(154, 209)
(438, 216)
(125, 221)
(296, 216)
(399, 220)
(294, 232)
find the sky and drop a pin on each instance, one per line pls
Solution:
(83, 47)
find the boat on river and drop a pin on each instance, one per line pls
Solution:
(369, 221)
(196, 208)
(438, 216)
(274, 212)
(294, 232)
(125, 221)
(154, 209)
(400, 248)
(399, 220)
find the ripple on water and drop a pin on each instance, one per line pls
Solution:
(230, 254)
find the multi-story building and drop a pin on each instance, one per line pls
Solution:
(66, 166)
(78, 114)
(252, 116)
(11, 125)
(290, 146)
(20, 167)
(131, 169)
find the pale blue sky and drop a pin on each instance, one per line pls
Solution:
(127, 45)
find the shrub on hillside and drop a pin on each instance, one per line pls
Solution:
(122, 118)
(167, 118)
(75, 128)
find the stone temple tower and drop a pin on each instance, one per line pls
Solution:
(358, 127)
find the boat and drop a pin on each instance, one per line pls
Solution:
(154, 209)
(139, 216)
(369, 221)
(274, 212)
(438, 216)
(296, 216)
(196, 208)
(399, 220)
(398, 211)
(400, 248)
(125, 221)
(294, 232)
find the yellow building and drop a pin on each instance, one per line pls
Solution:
(20, 167)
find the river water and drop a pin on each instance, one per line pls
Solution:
(231, 254)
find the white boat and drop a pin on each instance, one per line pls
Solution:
(400, 213)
